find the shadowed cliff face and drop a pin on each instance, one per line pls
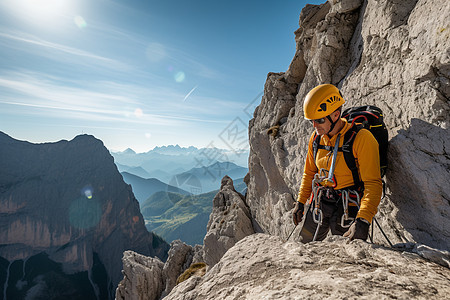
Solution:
(392, 54)
(67, 199)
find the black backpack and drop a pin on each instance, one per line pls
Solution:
(371, 118)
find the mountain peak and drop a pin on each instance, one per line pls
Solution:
(173, 150)
(128, 151)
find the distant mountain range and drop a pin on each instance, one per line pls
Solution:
(138, 171)
(195, 181)
(144, 188)
(175, 186)
(165, 162)
(174, 216)
(206, 179)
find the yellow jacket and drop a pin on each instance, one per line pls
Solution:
(365, 150)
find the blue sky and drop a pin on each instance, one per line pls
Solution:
(140, 73)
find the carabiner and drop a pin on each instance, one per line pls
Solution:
(317, 216)
(346, 218)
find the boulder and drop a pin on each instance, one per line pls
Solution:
(150, 278)
(143, 277)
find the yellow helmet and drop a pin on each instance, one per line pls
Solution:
(321, 101)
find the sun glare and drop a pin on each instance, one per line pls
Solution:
(44, 7)
(44, 11)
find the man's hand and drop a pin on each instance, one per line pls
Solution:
(358, 230)
(297, 214)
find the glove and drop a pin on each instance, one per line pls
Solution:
(297, 214)
(358, 230)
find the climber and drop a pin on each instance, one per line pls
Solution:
(336, 203)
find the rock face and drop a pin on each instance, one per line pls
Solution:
(229, 222)
(392, 54)
(142, 277)
(263, 267)
(68, 200)
(149, 278)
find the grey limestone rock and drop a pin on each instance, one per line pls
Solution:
(392, 54)
(229, 222)
(389, 53)
(180, 258)
(264, 267)
(149, 278)
(142, 277)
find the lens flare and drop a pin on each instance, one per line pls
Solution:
(180, 76)
(80, 22)
(138, 113)
(87, 191)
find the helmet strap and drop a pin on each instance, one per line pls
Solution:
(332, 123)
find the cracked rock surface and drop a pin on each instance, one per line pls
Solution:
(264, 267)
(392, 54)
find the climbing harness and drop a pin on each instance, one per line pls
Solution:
(321, 183)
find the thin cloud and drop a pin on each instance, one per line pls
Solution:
(40, 92)
(116, 116)
(40, 86)
(22, 37)
(163, 51)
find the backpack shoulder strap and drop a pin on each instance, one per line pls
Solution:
(347, 149)
(316, 145)
(316, 142)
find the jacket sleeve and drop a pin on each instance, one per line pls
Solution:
(365, 150)
(309, 171)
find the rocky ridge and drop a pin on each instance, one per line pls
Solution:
(150, 278)
(229, 222)
(391, 54)
(68, 200)
(265, 267)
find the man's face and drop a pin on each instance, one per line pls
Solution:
(323, 128)
(323, 125)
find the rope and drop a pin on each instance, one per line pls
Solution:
(384, 234)
(333, 161)
(291, 233)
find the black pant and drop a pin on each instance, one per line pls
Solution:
(332, 214)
